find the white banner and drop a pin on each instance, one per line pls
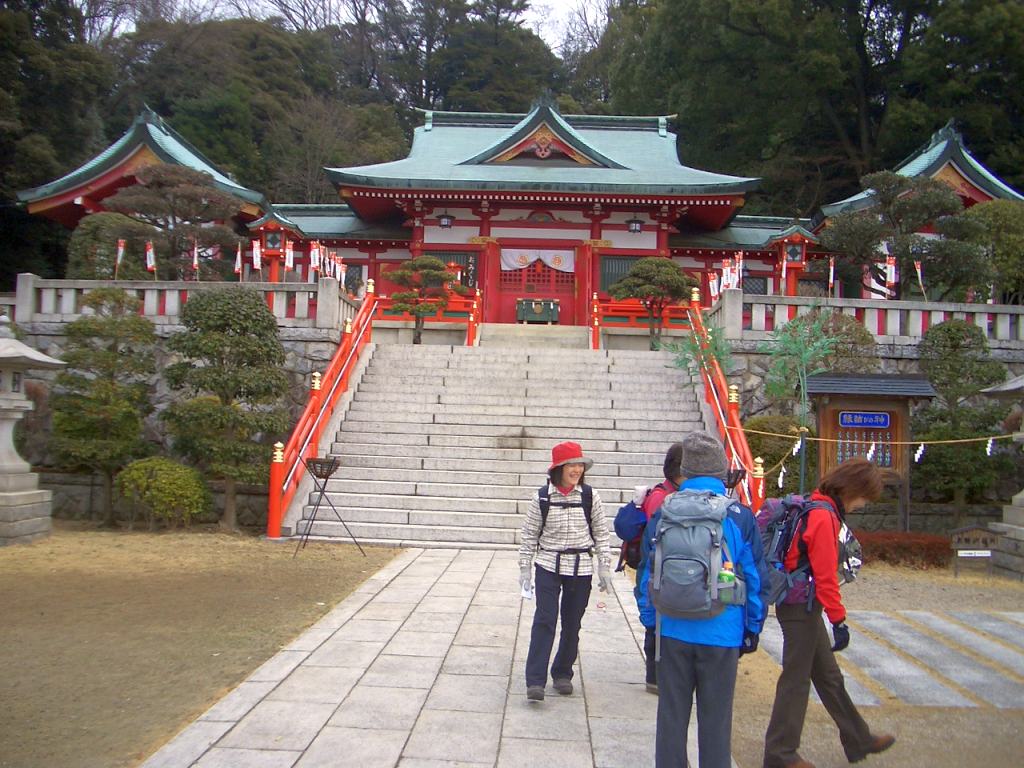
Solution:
(520, 258)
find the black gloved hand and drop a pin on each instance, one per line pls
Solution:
(841, 635)
(750, 641)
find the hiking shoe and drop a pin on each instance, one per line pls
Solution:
(878, 744)
(535, 692)
(652, 688)
(564, 687)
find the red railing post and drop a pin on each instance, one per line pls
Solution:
(758, 485)
(595, 333)
(276, 492)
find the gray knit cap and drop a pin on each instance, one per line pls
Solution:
(703, 456)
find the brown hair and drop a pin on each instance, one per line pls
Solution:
(673, 460)
(854, 478)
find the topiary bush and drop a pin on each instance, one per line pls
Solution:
(164, 489)
(920, 550)
(773, 449)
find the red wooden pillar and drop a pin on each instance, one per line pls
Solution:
(584, 261)
(490, 277)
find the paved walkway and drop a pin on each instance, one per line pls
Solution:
(422, 667)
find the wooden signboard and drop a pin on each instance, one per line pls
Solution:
(972, 543)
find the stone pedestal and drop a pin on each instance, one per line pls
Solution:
(1008, 560)
(24, 509)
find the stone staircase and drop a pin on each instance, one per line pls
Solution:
(444, 446)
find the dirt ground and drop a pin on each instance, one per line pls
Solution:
(114, 641)
(927, 737)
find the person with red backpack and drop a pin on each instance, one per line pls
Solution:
(807, 654)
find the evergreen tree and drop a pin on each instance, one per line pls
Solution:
(232, 367)
(658, 283)
(1001, 234)
(103, 394)
(426, 280)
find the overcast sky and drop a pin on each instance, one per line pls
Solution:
(546, 17)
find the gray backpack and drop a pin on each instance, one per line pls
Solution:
(689, 549)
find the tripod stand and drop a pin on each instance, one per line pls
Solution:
(321, 470)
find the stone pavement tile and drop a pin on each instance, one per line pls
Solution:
(188, 746)
(592, 639)
(281, 725)
(236, 704)
(505, 598)
(278, 667)
(324, 685)
(620, 700)
(385, 708)
(460, 577)
(433, 622)
(467, 736)
(247, 758)
(415, 762)
(367, 630)
(468, 693)
(430, 604)
(475, 561)
(622, 743)
(501, 582)
(345, 653)
(375, 611)
(613, 667)
(500, 636)
(471, 660)
(344, 611)
(420, 644)
(491, 614)
(311, 639)
(557, 718)
(354, 748)
(394, 594)
(402, 672)
(452, 590)
(528, 753)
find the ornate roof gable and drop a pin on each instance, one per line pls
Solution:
(543, 135)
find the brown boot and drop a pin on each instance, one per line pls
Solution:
(878, 744)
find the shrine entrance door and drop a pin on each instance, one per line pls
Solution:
(536, 282)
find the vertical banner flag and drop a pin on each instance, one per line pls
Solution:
(238, 260)
(726, 273)
(150, 257)
(120, 252)
(890, 272)
(289, 256)
(739, 270)
(831, 273)
(783, 273)
(257, 260)
(920, 277)
(314, 256)
(713, 286)
(195, 256)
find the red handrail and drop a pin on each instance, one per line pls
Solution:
(725, 404)
(287, 463)
(629, 313)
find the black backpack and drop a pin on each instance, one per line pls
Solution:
(546, 503)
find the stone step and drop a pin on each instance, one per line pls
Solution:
(387, 531)
(515, 435)
(434, 353)
(611, 497)
(402, 516)
(488, 440)
(580, 400)
(472, 478)
(522, 373)
(485, 466)
(359, 499)
(682, 422)
(539, 456)
(532, 409)
(527, 387)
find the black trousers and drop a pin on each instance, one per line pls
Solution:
(575, 594)
(710, 671)
(807, 658)
(650, 649)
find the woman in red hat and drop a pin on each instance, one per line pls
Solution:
(564, 528)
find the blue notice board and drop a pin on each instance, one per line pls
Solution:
(864, 419)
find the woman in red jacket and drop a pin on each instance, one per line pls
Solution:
(807, 653)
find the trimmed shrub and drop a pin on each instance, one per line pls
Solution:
(774, 449)
(920, 550)
(164, 489)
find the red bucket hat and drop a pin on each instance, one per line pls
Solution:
(569, 453)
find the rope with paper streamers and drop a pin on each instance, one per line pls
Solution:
(888, 442)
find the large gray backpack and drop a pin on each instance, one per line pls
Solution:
(689, 549)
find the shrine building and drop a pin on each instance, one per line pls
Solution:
(534, 206)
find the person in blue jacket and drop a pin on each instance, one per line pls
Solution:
(701, 655)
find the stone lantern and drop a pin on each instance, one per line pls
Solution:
(1009, 558)
(24, 509)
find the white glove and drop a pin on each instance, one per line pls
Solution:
(639, 494)
(525, 577)
(604, 579)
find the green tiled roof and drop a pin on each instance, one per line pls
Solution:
(331, 221)
(742, 233)
(633, 155)
(945, 146)
(150, 130)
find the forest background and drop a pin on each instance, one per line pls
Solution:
(808, 95)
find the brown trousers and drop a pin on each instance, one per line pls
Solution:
(807, 658)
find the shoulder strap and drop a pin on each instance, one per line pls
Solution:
(545, 505)
(588, 502)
